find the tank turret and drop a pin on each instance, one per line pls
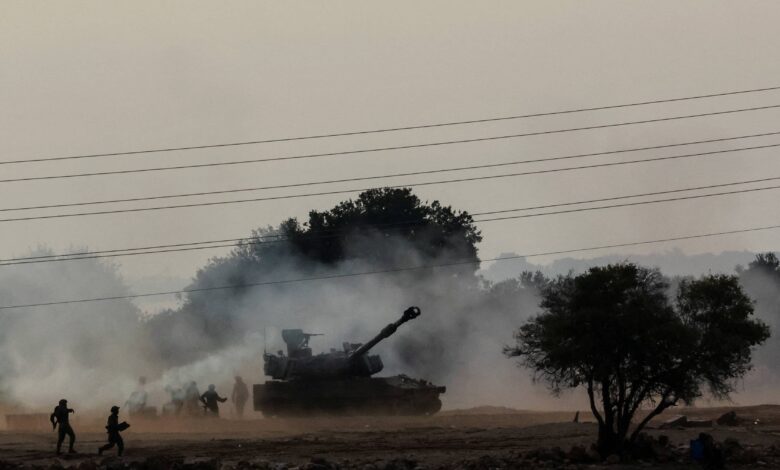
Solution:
(352, 360)
(340, 380)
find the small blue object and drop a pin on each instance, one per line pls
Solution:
(697, 450)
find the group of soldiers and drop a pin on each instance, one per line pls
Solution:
(188, 401)
(61, 417)
(185, 401)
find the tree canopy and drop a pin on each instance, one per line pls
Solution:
(617, 332)
(431, 229)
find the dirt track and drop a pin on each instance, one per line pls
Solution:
(467, 439)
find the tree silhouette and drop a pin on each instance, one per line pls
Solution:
(369, 228)
(614, 331)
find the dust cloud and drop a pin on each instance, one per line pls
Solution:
(93, 353)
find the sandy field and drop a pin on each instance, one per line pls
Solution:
(474, 439)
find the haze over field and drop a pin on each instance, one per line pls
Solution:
(81, 78)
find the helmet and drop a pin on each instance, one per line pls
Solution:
(212, 387)
(63, 402)
(114, 409)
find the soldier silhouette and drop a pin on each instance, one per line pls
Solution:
(191, 403)
(239, 396)
(113, 428)
(210, 398)
(60, 417)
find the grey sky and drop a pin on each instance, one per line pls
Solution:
(83, 77)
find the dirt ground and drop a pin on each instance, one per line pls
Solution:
(476, 438)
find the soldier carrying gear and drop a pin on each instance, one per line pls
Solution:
(60, 416)
(210, 398)
(113, 428)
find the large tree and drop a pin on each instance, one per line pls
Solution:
(616, 331)
(384, 216)
(381, 229)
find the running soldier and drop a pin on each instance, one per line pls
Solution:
(60, 417)
(113, 428)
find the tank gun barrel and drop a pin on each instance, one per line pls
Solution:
(409, 314)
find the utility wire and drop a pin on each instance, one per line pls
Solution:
(629, 204)
(228, 243)
(352, 152)
(390, 129)
(384, 271)
(391, 175)
(427, 183)
(62, 257)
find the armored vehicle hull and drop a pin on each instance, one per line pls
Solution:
(340, 382)
(397, 395)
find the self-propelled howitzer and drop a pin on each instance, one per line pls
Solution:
(340, 382)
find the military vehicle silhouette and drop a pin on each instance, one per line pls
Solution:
(340, 382)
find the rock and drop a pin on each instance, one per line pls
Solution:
(663, 454)
(647, 447)
(202, 464)
(735, 452)
(112, 463)
(593, 453)
(613, 459)
(731, 444)
(486, 462)
(728, 419)
(319, 463)
(161, 463)
(556, 454)
(88, 465)
(698, 423)
(400, 464)
(676, 422)
(578, 454)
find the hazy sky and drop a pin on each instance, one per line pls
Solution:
(87, 77)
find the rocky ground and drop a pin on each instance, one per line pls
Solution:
(483, 438)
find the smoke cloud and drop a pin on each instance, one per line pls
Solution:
(93, 353)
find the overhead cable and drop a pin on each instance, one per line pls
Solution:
(353, 190)
(389, 129)
(271, 239)
(352, 152)
(382, 271)
(383, 176)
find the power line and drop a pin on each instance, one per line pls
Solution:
(385, 271)
(653, 193)
(391, 175)
(231, 242)
(60, 257)
(391, 129)
(352, 152)
(427, 183)
(629, 204)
